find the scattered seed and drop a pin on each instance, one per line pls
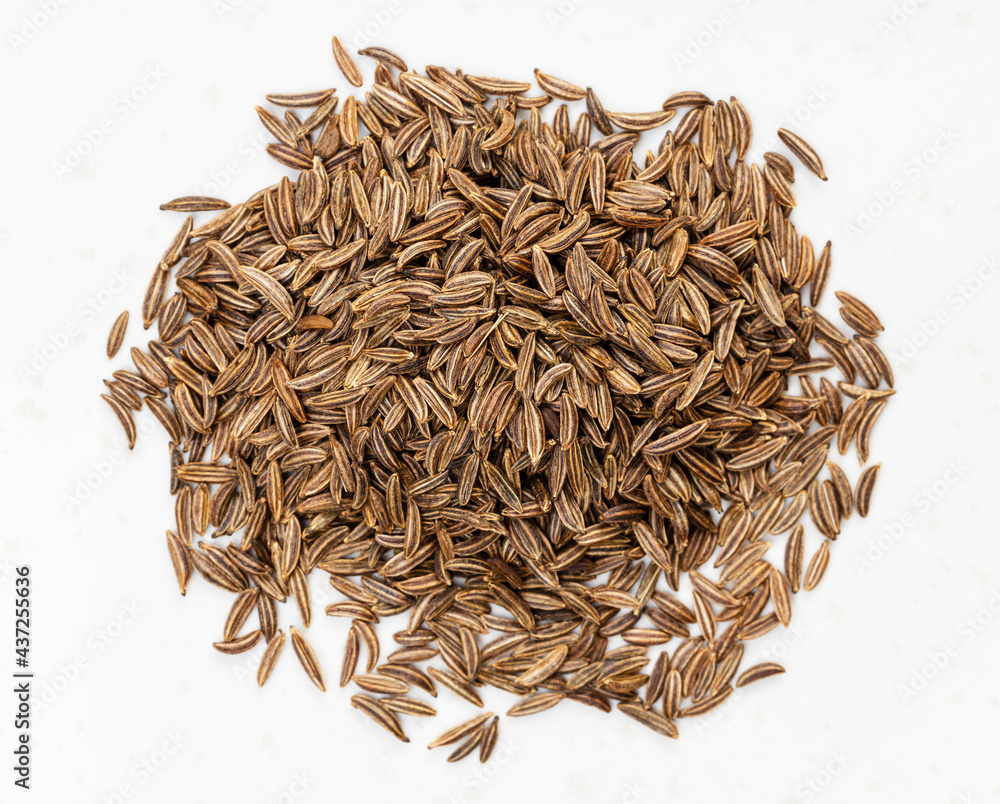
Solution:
(346, 64)
(271, 653)
(863, 492)
(307, 657)
(117, 334)
(758, 672)
(803, 150)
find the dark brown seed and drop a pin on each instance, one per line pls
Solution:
(489, 741)
(368, 636)
(544, 667)
(817, 567)
(384, 56)
(238, 644)
(779, 590)
(300, 99)
(179, 558)
(153, 300)
(820, 275)
(863, 492)
(467, 746)
(350, 662)
(558, 88)
(380, 714)
(407, 706)
(195, 203)
(687, 98)
(650, 718)
(706, 704)
(124, 419)
(383, 685)
(271, 653)
(457, 685)
(456, 733)
(117, 334)
(534, 704)
(346, 64)
(803, 150)
(793, 557)
(639, 121)
(245, 603)
(672, 694)
(758, 672)
(307, 657)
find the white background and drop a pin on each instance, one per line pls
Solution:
(900, 100)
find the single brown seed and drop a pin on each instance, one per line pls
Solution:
(179, 558)
(863, 492)
(817, 566)
(803, 150)
(346, 64)
(117, 334)
(407, 706)
(558, 88)
(300, 99)
(758, 672)
(380, 714)
(489, 741)
(794, 556)
(385, 56)
(238, 644)
(307, 658)
(195, 203)
(271, 654)
(534, 704)
(350, 661)
(245, 603)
